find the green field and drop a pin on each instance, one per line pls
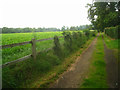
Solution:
(10, 54)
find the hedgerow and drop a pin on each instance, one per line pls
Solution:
(113, 32)
(72, 41)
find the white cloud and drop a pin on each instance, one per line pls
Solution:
(43, 13)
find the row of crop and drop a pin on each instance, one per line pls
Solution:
(113, 32)
(22, 74)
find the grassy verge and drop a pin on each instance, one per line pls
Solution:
(56, 71)
(40, 73)
(112, 44)
(97, 75)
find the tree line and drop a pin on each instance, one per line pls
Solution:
(28, 29)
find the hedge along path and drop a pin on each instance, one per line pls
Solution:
(74, 76)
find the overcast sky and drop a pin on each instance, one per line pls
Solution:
(43, 13)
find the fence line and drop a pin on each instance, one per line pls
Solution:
(15, 44)
(24, 43)
(33, 54)
(15, 61)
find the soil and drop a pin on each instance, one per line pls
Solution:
(73, 77)
(111, 67)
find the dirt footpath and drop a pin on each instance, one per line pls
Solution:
(74, 76)
(111, 67)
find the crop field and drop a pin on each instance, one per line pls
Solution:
(10, 54)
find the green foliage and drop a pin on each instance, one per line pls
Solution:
(63, 28)
(75, 37)
(22, 73)
(79, 39)
(113, 32)
(112, 44)
(76, 28)
(104, 14)
(10, 54)
(68, 43)
(27, 30)
(57, 47)
(75, 40)
(87, 33)
(93, 33)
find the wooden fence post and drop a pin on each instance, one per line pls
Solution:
(34, 49)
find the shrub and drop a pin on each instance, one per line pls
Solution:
(68, 43)
(75, 37)
(93, 33)
(57, 47)
(113, 32)
(87, 33)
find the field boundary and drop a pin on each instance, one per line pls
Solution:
(24, 43)
(34, 53)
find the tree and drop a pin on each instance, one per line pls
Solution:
(72, 28)
(63, 28)
(104, 14)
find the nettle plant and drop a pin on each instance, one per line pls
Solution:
(72, 41)
(57, 47)
(68, 42)
(80, 39)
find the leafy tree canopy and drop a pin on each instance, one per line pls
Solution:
(104, 14)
